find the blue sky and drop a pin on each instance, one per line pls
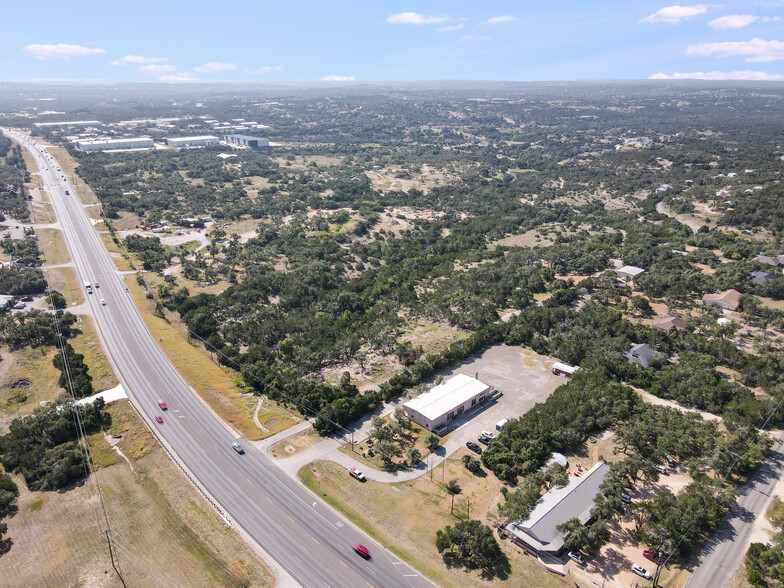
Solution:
(519, 40)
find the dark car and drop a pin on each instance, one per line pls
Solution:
(361, 550)
(238, 448)
(654, 557)
(484, 439)
(474, 447)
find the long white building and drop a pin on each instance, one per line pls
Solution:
(446, 401)
(187, 142)
(111, 144)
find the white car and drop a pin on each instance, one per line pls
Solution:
(356, 474)
(103, 302)
(641, 571)
(488, 434)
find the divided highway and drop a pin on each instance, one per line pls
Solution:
(309, 540)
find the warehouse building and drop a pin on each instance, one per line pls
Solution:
(247, 141)
(447, 401)
(188, 142)
(538, 533)
(111, 144)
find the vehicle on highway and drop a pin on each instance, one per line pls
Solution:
(473, 447)
(361, 550)
(356, 474)
(654, 557)
(237, 447)
(159, 418)
(162, 404)
(641, 571)
(103, 302)
(576, 557)
(96, 285)
(88, 287)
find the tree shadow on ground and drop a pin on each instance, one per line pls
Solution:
(499, 568)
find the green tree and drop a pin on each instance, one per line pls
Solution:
(452, 488)
(472, 464)
(432, 442)
(471, 544)
(414, 456)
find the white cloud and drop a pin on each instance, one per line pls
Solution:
(733, 21)
(157, 70)
(137, 60)
(676, 14)
(756, 50)
(471, 38)
(720, 75)
(497, 19)
(265, 69)
(60, 51)
(337, 79)
(179, 77)
(215, 67)
(414, 18)
(456, 27)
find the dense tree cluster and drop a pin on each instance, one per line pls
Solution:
(44, 447)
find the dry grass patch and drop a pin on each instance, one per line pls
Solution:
(87, 344)
(433, 337)
(214, 384)
(63, 279)
(295, 443)
(166, 533)
(137, 441)
(384, 511)
(274, 417)
(20, 367)
(52, 244)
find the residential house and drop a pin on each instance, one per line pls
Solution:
(761, 278)
(641, 354)
(728, 300)
(667, 322)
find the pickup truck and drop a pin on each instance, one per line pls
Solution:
(89, 287)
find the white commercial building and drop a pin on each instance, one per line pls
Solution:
(446, 401)
(110, 144)
(186, 142)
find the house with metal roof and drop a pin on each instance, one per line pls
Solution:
(447, 401)
(538, 532)
(629, 272)
(641, 354)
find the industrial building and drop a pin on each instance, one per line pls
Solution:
(446, 401)
(187, 142)
(247, 141)
(538, 533)
(110, 144)
(70, 123)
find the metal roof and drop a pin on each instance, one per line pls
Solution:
(558, 506)
(447, 396)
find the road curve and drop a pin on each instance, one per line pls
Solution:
(308, 539)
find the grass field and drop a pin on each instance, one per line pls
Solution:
(63, 279)
(87, 344)
(432, 336)
(214, 384)
(165, 533)
(33, 366)
(384, 511)
(52, 244)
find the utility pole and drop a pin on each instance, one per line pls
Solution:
(111, 555)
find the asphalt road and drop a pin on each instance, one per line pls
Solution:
(309, 540)
(722, 556)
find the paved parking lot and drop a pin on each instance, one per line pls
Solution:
(523, 377)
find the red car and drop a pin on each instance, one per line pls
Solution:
(159, 418)
(361, 550)
(648, 554)
(162, 404)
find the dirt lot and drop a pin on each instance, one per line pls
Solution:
(166, 534)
